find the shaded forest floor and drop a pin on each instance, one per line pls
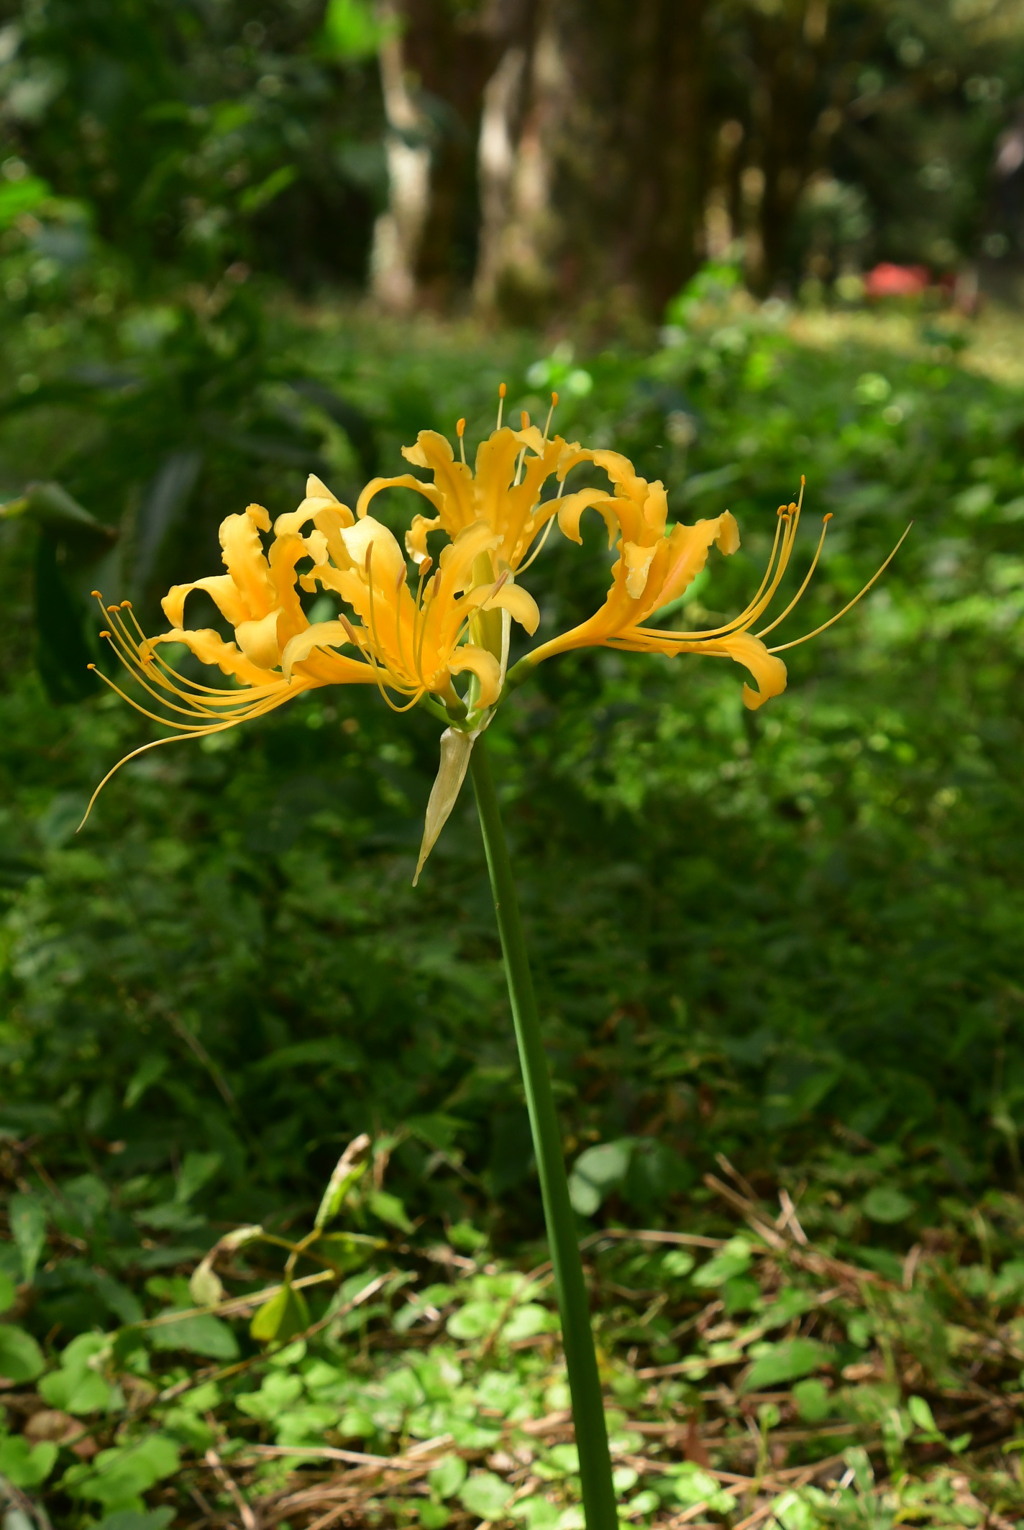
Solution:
(758, 1376)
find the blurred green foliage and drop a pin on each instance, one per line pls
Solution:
(747, 927)
(196, 135)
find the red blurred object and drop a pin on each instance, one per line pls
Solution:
(889, 280)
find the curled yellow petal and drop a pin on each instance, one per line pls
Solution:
(484, 666)
(319, 635)
(258, 640)
(519, 604)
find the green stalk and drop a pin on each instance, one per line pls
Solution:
(570, 1287)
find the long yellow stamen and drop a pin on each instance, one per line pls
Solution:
(502, 390)
(168, 722)
(372, 617)
(806, 581)
(137, 658)
(849, 604)
(399, 588)
(460, 431)
(539, 547)
(213, 691)
(778, 558)
(143, 667)
(378, 668)
(136, 662)
(419, 633)
(553, 406)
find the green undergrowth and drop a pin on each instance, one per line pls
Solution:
(785, 938)
(765, 1367)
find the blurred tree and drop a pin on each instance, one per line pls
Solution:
(435, 59)
(856, 131)
(538, 152)
(592, 156)
(199, 134)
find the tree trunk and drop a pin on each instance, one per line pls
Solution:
(398, 231)
(590, 156)
(434, 68)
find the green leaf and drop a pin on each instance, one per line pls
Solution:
(19, 197)
(337, 1053)
(50, 505)
(884, 1203)
(597, 1172)
(352, 31)
(390, 1209)
(118, 1477)
(485, 1495)
(77, 1387)
(200, 1334)
(733, 1260)
(347, 1173)
(347, 1251)
(24, 1464)
(280, 1318)
(137, 1519)
(27, 1215)
(277, 1395)
(813, 1400)
(205, 1286)
(8, 1292)
(162, 508)
(527, 1321)
(447, 1476)
(21, 1359)
(785, 1361)
(921, 1414)
(690, 1484)
(474, 1320)
(433, 1516)
(253, 198)
(196, 1170)
(149, 1070)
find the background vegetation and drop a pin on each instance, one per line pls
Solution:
(777, 953)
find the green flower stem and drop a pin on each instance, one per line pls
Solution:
(578, 1340)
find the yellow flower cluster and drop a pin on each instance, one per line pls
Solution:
(416, 620)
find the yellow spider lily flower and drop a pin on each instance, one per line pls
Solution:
(503, 488)
(408, 642)
(656, 565)
(412, 631)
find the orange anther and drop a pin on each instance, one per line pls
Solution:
(111, 610)
(90, 666)
(524, 420)
(502, 390)
(126, 605)
(826, 518)
(95, 594)
(104, 634)
(554, 400)
(460, 428)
